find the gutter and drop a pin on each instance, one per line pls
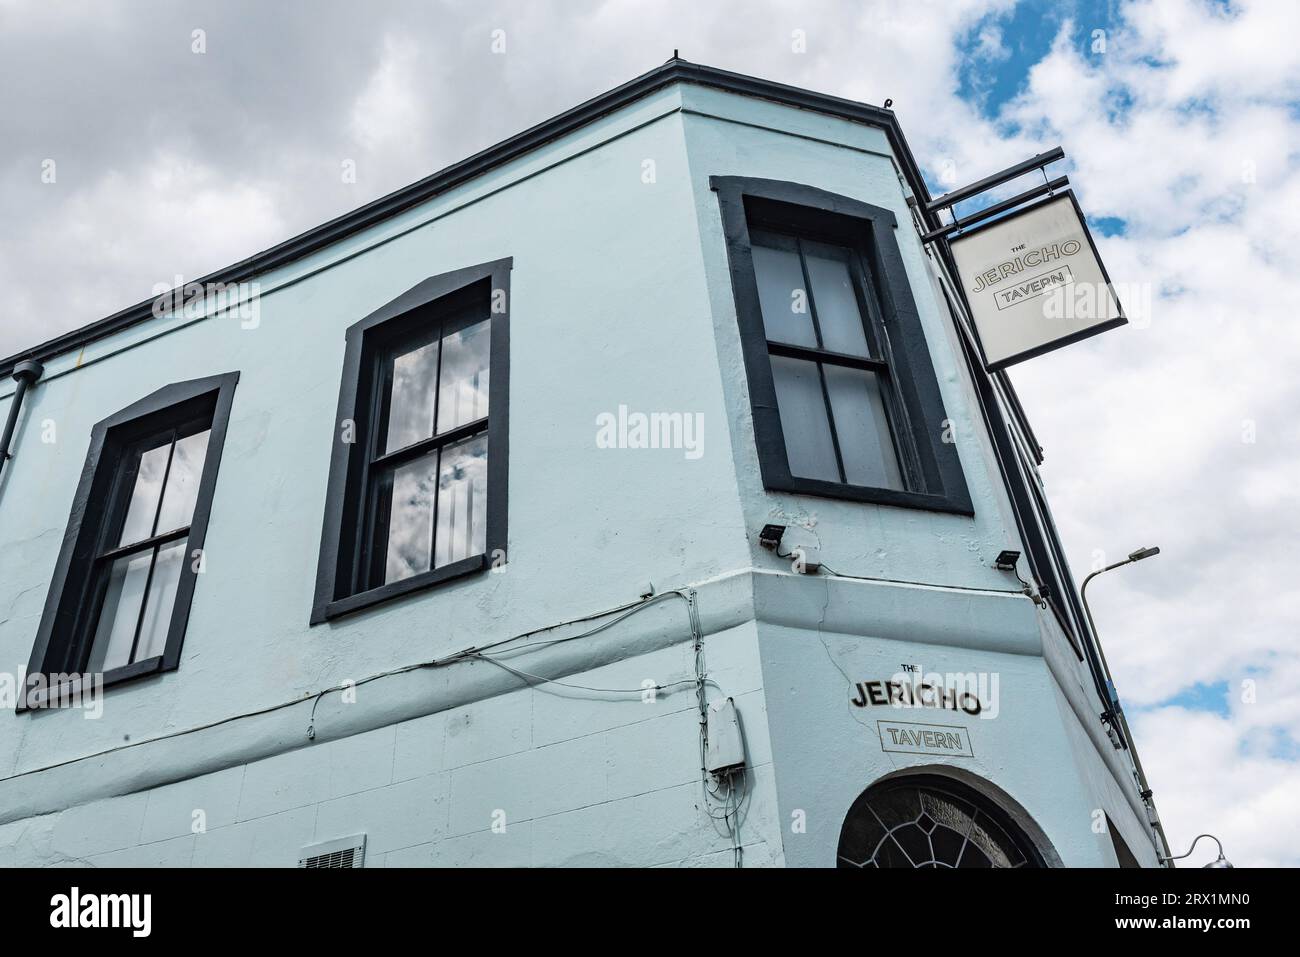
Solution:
(25, 373)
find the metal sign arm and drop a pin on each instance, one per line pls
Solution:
(997, 179)
(958, 224)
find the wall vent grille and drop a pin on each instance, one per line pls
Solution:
(346, 852)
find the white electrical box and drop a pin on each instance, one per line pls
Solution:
(726, 748)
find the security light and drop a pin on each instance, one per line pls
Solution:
(1142, 553)
(770, 536)
(1006, 560)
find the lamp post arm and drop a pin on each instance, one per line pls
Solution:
(1091, 575)
(1105, 684)
(1096, 639)
(1113, 707)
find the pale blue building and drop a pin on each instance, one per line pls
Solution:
(432, 536)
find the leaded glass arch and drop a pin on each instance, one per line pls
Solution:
(931, 821)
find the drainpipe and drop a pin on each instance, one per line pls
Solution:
(25, 373)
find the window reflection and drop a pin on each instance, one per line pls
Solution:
(432, 498)
(410, 523)
(462, 501)
(168, 561)
(410, 408)
(835, 300)
(834, 415)
(139, 589)
(127, 581)
(782, 298)
(862, 427)
(463, 388)
(808, 442)
(451, 483)
(183, 476)
(143, 509)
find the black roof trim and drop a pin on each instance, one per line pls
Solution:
(674, 71)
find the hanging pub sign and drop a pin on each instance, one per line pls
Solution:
(1034, 282)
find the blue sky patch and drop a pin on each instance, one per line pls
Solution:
(1201, 697)
(1107, 225)
(1282, 746)
(992, 74)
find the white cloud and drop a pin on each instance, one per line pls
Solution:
(102, 248)
(389, 114)
(1147, 441)
(1208, 781)
(989, 45)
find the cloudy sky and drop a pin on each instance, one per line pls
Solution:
(1181, 122)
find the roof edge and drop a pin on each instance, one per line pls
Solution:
(674, 71)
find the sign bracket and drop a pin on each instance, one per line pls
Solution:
(957, 225)
(995, 180)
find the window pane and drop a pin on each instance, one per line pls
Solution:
(835, 299)
(410, 521)
(781, 296)
(462, 501)
(807, 431)
(410, 409)
(143, 509)
(463, 390)
(183, 481)
(120, 613)
(162, 595)
(862, 428)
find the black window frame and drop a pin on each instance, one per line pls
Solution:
(930, 466)
(346, 558)
(71, 612)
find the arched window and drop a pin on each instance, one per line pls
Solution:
(931, 821)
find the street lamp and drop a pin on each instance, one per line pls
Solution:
(1112, 699)
(1114, 713)
(1220, 862)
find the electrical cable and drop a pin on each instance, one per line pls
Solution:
(1029, 589)
(633, 608)
(898, 581)
(734, 798)
(627, 609)
(731, 829)
(529, 677)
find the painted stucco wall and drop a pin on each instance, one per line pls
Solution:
(531, 777)
(620, 296)
(1044, 749)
